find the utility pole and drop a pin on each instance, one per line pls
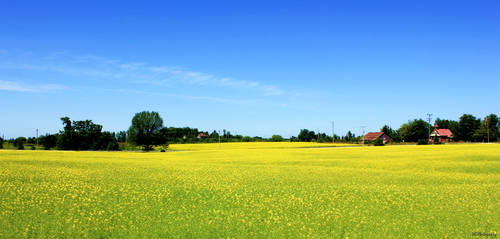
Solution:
(219, 140)
(317, 139)
(488, 127)
(36, 136)
(333, 133)
(429, 118)
(363, 134)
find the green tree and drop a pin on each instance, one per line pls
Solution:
(276, 138)
(306, 135)
(378, 142)
(488, 132)
(48, 141)
(121, 136)
(350, 137)
(65, 140)
(494, 127)
(19, 142)
(1, 142)
(88, 135)
(415, 130)
(145, 129)
(31, 140)
(84, 135)
(467, 126)
(107, 141)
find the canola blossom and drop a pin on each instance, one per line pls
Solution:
(285, 190)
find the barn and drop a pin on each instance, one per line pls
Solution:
(375, 135)
(441, 135)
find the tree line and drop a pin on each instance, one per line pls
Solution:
(468, 128)
(147, 130)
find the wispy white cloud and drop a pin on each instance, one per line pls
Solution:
(24, 87)
(136, 72)
(188, 97)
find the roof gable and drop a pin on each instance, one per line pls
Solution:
(444, 132)
(373, 135)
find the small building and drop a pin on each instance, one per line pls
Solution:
(202, 136)
(375, 135)
(441, 135)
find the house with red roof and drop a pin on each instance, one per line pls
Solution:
(441, 135)
(375, 135)
(202, 135)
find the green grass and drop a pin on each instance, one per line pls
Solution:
(253, 190)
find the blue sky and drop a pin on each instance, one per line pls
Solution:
(254, 68)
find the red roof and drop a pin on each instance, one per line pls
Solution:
(444, 132)
(373, 135)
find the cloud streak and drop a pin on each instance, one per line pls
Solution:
(97, 67)
(24, 87)
(187, 97)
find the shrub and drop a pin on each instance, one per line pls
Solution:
(33, 147)
(378, 142)
(422, 142)
(19, 143)
(164, 148)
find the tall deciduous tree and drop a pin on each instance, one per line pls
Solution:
(19, 142)
(65, 140)
(48, 141)
(145, 129)
(415, 130)
(306, 135)
(488, 131)
(467, 126)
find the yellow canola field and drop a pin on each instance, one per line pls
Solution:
(255, 145)
(243, 191)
